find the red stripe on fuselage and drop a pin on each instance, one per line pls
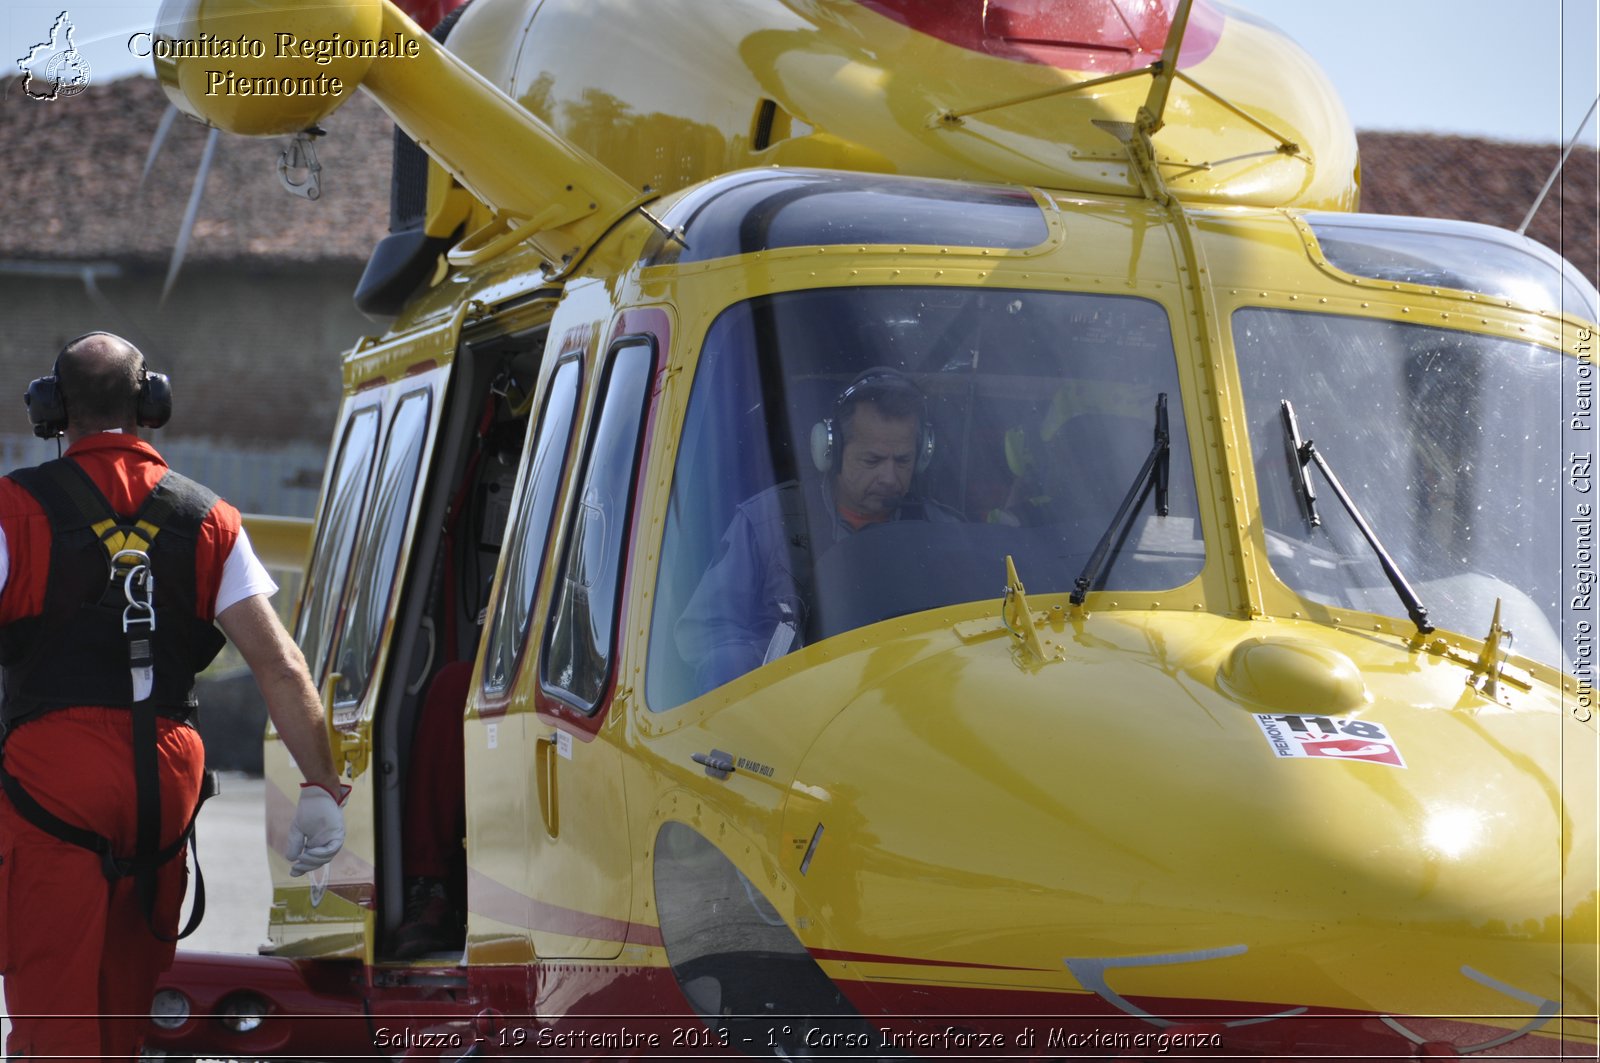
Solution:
(514, 908)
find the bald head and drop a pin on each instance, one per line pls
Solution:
(99, 379)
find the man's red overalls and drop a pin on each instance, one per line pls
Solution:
(75, 946)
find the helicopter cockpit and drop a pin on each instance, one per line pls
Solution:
(1041, 409)
(1046, 412)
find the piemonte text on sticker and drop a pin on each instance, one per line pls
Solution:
(1330, 737)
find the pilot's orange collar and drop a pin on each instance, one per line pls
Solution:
(857, 521)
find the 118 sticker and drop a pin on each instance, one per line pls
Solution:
(1330, 737)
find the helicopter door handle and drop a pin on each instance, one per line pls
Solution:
(349, 747)
(718, 765)
(546, 779)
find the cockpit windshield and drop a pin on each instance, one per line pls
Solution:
(855, 454)
(1451, 445)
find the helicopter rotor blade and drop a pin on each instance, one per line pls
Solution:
(156, 142)
(186, 230)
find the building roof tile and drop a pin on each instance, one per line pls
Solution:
(77, 195)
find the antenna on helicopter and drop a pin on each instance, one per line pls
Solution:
(1551, 180)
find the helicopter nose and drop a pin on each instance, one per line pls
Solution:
(1115, 803)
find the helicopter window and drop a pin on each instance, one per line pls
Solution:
(579, 637)
(1027, 414)
(347, 492)
(764, 209)
(380, 554)
(1448, 442)
(508, 631)
(1454, 254)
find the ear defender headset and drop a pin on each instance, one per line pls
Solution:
(827, 439)
(47, 406)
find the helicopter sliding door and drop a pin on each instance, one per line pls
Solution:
(417, 718)
(366, 523)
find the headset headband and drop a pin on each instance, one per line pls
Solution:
(47, 403)
(827, 435)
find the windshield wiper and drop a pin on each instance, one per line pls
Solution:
(1157, 469)
(1302, 453)
(1301, 475)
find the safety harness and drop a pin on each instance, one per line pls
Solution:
(116, 618)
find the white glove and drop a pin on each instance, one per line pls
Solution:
(318, 828)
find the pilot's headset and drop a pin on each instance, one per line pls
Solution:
(827, 435)
(47, 404)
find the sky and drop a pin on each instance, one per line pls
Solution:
(1522, 70)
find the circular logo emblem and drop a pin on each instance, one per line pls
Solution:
(68, 73)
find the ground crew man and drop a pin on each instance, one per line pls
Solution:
(112, 571)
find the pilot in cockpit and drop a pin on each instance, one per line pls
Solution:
(750, 607)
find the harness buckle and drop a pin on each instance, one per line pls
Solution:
(138, 588)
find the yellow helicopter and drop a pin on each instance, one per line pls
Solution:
(1203, 665)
